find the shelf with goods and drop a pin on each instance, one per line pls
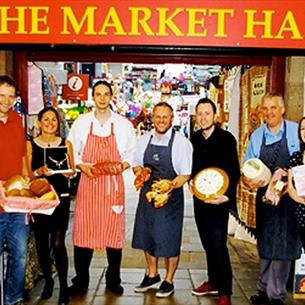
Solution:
(137, 88)
(73, 110)
(146, 76)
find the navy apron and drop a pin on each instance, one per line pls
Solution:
(277, 236)
(158, 231)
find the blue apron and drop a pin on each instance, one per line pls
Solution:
(277, 236)
(159, 231)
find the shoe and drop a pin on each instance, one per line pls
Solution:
(63, 300)
(64, 297)
(224, 300)
(165, 290)
(47, 291)
(118, 290)
(259, 298)
(147, 283)
(77, 290)
(276, 302)
(204, 289)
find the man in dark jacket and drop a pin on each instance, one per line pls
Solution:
(215, 147)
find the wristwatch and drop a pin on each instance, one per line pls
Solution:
(210, 182)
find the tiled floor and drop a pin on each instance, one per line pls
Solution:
(191, 272)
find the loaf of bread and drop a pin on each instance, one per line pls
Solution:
(26, 193)
(48, 196)
(160, 192)
(40, 186)
(13, 192)
(15, 182)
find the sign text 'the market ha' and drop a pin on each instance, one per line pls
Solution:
(264, 24)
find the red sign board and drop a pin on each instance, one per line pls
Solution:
(236, 23)
(76, 88)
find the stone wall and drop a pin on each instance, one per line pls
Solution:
(294, 87)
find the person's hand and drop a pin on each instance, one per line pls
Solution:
(42, 171)
(70, 175)
(191, 186)
(87, 170)
(142, 176)
(271, 198)
(48, 172)
(253, 184)
(277, 187)
(217, 199)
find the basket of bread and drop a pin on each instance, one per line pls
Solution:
(17, 194)
(160, 192)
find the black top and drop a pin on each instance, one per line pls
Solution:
(295, 160)
(59, 181)
(219, 150)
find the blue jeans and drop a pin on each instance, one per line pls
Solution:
(14, 232)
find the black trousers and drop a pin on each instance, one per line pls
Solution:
(212, 225)
(50, 233)
(82, 261)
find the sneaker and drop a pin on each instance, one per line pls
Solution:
(224, 300)
(147, 283)
(165, 290)
(259, 298)
(204, 289)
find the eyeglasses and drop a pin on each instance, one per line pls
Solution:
(10, 98)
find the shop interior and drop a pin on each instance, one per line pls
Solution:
(136, 89)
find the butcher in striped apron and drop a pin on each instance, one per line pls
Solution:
(99, 215)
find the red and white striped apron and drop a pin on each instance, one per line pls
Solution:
(99, 217)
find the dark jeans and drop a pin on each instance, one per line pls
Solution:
(212, 225)
(82, 261)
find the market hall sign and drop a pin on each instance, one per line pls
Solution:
(253, 23)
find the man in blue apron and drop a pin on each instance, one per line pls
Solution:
(158, 231)
(277, 238)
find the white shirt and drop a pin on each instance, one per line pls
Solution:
(123, 130)
(182, 150)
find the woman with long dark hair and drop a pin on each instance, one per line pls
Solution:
(50, 230)
(298, 158)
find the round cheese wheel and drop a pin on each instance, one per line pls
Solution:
(210, 182)
(254, 168)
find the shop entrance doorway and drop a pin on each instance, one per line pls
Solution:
(140, 56)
